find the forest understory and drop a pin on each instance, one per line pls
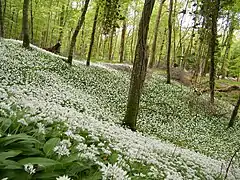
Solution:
(59, 120)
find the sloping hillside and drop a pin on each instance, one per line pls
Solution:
(179, 136)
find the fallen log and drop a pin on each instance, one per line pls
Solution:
(228, 89)
(54, 49)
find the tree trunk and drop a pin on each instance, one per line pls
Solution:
(227, 50)
(111, 45)
(215, 10)
(124, 28)
(154, 43)
(92, 36)
(234, 113)
(139, 67)
(169, 41)
(161, 48)
(25, 32)
(31, 10)
(1, 20)
(75, 34)
(48, 24)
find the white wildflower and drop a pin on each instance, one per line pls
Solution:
(78, 138)
(81, 147)
(62, 148)
(63, 178)
(6, 178)
(69, 133)
(113, 172)
(23, 122)
(41, 128)
(29, 168)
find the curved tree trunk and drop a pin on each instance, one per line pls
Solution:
(75, 34)
(169, 41)
(234, 113)
(93, 36)
(26, 41)
(139, 67)
(153, 54)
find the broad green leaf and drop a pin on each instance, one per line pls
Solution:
(71, 158)
(45, 162)
(18, 137)
(5, 124)
(9, 154)
(49, 146)
(9, 164)
(48, 175)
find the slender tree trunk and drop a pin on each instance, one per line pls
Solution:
(212, 47)
(234, 113)
(111, 45)
(124, 28)
(139, 67)
(48, 24)
(92, 36)
(1, 21)
(174, 32)
(169, 41)
(154, 43)
(32, 26)
(227, 50)
(161, 48)
(26, 42)
(75, 34)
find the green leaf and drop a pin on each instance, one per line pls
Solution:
(18, 137)
(45, 162)
(49, 146)
(71, 158)
(113, 158)
(9, 164)
(9, 154)
(48, 175)
(6, 123)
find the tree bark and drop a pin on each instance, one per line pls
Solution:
(26, 42)
(124, 28)
(154, 43)
(75, 34)
(234, 113)
(139, 67)
(1, 21)
(111, 45)
(215, 10)
(92, 36)
(169, 41)
(31, 10)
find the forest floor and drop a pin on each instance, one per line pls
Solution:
(180, 136)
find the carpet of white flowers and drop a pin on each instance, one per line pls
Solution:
(78, 110)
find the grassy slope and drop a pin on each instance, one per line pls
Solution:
(169, 112)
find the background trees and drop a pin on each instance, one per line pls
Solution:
(204, 41)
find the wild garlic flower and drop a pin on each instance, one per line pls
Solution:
(23, 122)
(29, 168)
(6, 178)
(41, 128)
(69, 133)
(62, 148)
(113, 172)
(63, 178)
